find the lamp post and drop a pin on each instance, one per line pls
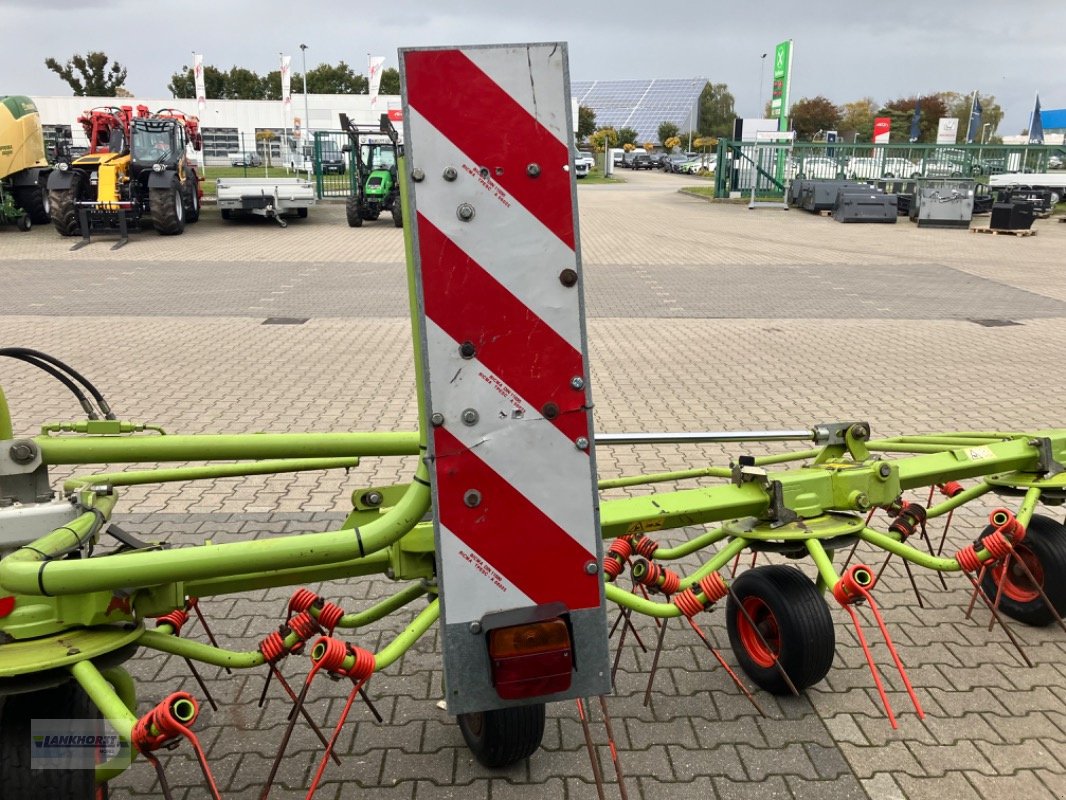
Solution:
(307, 113)
(762, 74)
(692, 120)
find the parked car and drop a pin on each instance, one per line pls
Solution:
(332, 159)
(872, 168)
(673, 161)
(900, 168)
(581, 165)
(640, 161)
(587, 158)
(1054, 162)
(941, 168)
(248, 159)
(815, 167)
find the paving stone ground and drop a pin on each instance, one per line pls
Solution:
(702, 317)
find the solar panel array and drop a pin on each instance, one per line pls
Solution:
(641, 104)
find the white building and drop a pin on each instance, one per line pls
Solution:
(228, 126)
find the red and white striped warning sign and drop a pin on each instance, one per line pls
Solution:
(488, 148)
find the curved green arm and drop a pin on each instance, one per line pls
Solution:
(960, 499)
(112, 708)
(691, 546)
(384, 608)
(648, 608)
(919, 557)
(5, 419)
(208, 472)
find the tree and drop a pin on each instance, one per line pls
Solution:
(586, 121)
(603, 138)
(243, 84)
(627, 136)
(672, 143)
(716, 111)
(857, 117)
(667, 130)
(958, 105)
(89, 75)
(183, 84)
(327, 79)
(901, 111)
(390, 81)
(809, 115)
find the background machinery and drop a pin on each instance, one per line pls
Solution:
(137, 166)
(375, 188)
(23, 168)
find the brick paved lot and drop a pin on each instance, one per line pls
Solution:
(701, 317)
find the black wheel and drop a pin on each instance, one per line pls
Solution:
(889, 175)
(17, 712)
(64, 214)
(301, 213)
(227, 214)
(24, 223)
(793, 618)
(502, 737)
(351, 211)
(192, 213)
(397, 215)
(1043, 550)
(34, 201)
(168, 209)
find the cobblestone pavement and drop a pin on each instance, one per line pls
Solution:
(703, 316)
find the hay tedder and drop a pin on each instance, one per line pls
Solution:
(501, 528)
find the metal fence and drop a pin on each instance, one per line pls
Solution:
(771, 167)
(334, 169)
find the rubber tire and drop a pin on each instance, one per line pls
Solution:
(192, 213)
(227, 214)
(351, 211)
(804, 626)
(19, 782)
(1045, 539)
(397, 215)
(504, 736)
(164, 204)
(24, 223)
(301, 213)
(34, 201)
(64, 215)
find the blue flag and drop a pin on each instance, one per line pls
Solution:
(917, 118)
(1036, 127)
(975, 121)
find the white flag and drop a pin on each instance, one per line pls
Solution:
(374, 78)
(198, 75)
(286, 90)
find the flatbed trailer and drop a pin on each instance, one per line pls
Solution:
(1054, 181)
(273, 198)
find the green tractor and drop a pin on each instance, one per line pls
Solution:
(23, 167)
(375, 188)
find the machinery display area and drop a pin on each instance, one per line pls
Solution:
(502, 543)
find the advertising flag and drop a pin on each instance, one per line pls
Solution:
(974, 130)
(198, 75)
(779, 96)
(882, 129)
(286, 89)
(374, 78)
(1036, 126)
(916, 120)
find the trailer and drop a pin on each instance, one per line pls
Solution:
(273, 198)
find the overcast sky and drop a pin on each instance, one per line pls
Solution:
(842, 50)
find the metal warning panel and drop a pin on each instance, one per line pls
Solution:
(488, 143)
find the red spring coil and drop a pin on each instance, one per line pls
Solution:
(951, 488)
(671, 581)
(911, 515)
(617, 555)
(301, 600)
(997, 545)
(658, 578)
(273, 647)
(166, 725)
(688, 603)
(853, 585)
(1004, 520)
(329, 615)
(304, 625)
(332, 653)
(714, 588)
(175, 619)
(967, 558)
(645, 547)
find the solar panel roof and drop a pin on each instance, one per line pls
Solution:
(641, 104)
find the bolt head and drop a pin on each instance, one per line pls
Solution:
(533, 170)
(472, 498)
(373, 498)
(582, 443)
(22, 452)
(884, 470)
(436, 420)
(550, 411)
(577, 382)
(450, 174)
(475, 627)
(470, 417)
(467, 350)
(465, 212)
(418, 175)
(568, 278)
(591, 567)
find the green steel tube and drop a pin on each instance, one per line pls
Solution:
(209, 472)
(918, 449)
(824, 562)
(411, 634)
(953, 440)
(922, 559)
(204, 653)
(112, 708)
(373, 564)
(958, 500)
(784, 458)
(123, 685)
(382, 609)
(720, 559)
(663, 477)
(22, 574)
(691, 546)
(222, 447)
(1028, 506)
(648, 608)
(6, 430)
(959, 464)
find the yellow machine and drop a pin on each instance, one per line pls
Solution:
(23, 166)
